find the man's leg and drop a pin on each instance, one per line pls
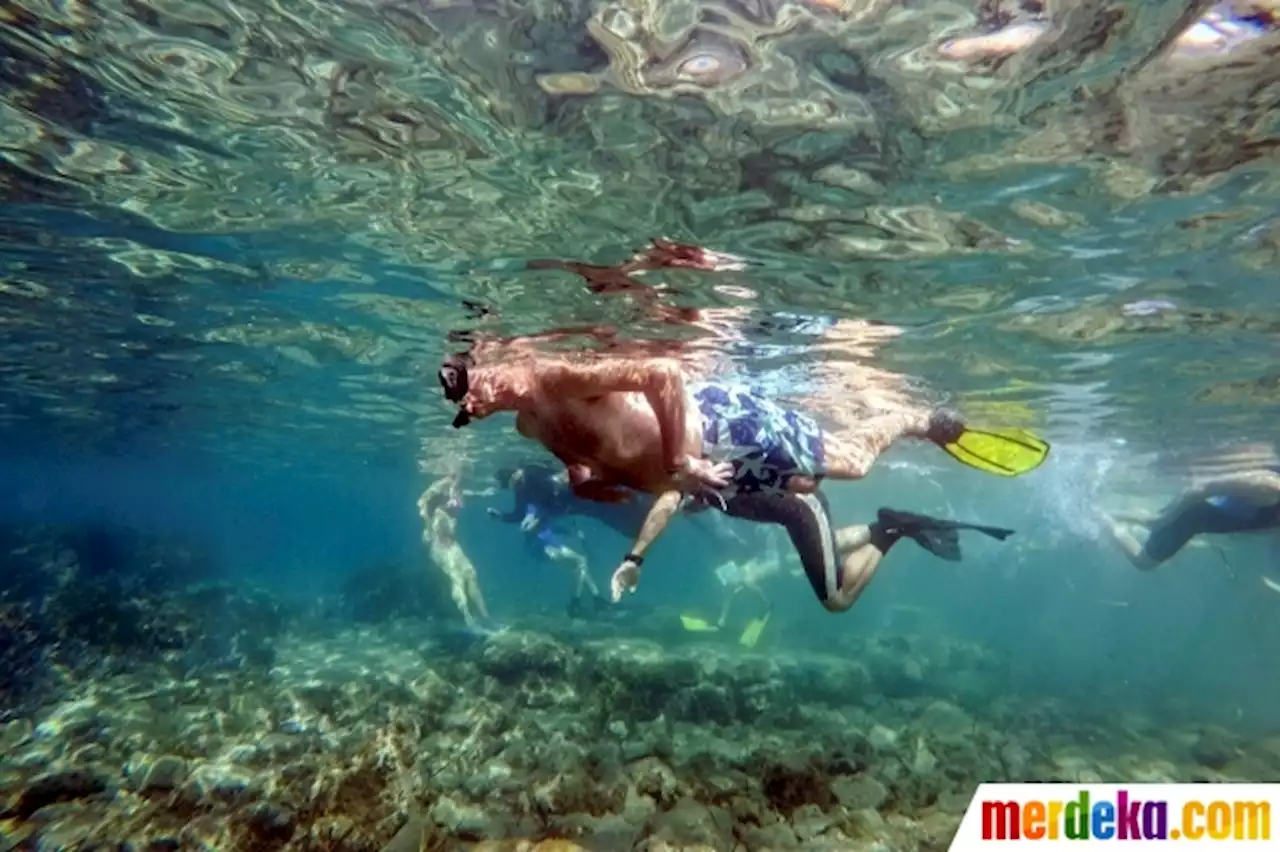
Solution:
(449, 559)
(725, 607)
(577, 564)
(860, 554)
(473, 590)
(851, 456)
(807, 521)
(839, 564)
(1168, 534)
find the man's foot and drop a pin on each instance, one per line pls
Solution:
(944, 427)
(894, 520)
(938, 537)
(487, 627)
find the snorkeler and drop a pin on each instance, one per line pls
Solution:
(634, 424)
(1238, 503)
(540, 500)
(644, 430)
(737, 577)
(639, 423)
(542, 495)
(438, 507)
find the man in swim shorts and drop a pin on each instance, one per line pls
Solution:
(629, 423)
(621, 424)
(1241, 502)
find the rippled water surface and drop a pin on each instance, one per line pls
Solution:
(263, 219)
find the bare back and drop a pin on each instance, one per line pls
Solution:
(616, 435)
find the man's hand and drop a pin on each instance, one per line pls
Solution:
(696, 474)
(626, 578)
(529, 523)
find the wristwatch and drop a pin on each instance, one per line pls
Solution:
(635, 559)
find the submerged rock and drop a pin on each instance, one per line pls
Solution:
(65, 785)
(859, 792)
(221, 782)
(1214, 748)
(165, 774)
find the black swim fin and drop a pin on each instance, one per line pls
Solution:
(938, 536)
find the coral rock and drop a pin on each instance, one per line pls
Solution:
(859, 792)
(62, 786)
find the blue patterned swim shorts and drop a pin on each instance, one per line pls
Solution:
(768, 444)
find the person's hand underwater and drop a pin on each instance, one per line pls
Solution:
(625, 579)
(703, 473)
(529, 523)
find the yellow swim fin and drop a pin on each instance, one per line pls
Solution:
(1002, 452)
(694, 624)
(751, 633)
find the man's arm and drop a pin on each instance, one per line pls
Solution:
(435, 494)
(656, 522)
(628, 573)
(659, 379)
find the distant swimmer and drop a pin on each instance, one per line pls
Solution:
(541, 501)
(542, 495)
(1243, 502)
(736, 577)
(438, 507)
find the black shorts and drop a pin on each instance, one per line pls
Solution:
(807, 518)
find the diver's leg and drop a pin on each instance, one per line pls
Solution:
(1168, 534)
(457, 583)
(851, 456)
(727, 606)
(474, 593)
(806, 519)
(862, 546)
(584, 576)
(577, 564)
(859, 569)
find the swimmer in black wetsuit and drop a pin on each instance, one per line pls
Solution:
(543, 495)
(542, 499)
(539, 493)
(1239, 503)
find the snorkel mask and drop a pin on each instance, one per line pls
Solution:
(455, 381)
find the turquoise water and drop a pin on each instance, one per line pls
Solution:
(237, 239)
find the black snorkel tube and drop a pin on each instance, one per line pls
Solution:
(455, 381)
